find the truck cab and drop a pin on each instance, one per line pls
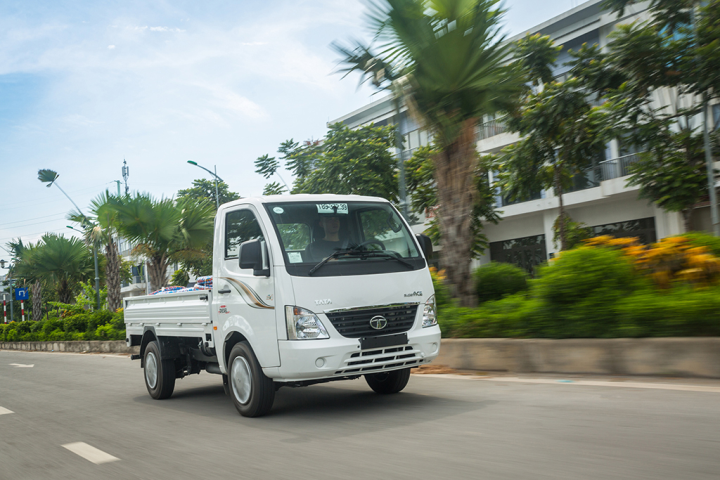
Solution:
(306, 289)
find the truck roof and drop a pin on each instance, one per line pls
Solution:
(257, 201)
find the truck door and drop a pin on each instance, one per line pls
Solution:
(243, 302)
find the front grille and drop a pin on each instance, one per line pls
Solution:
(380, 360)
(356, 323)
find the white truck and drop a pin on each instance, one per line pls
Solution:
(306, 289)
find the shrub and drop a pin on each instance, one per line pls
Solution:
(12, 335)
(97, 319)
(579, 292)
(51, 325)
(57, 336)
(75, 323)
(107, 332)
(497, 280)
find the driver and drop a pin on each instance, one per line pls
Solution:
(330, 242)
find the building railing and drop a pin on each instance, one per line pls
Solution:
(618, 167)
(490, 129)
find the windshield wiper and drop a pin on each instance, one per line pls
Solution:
(388, 256)
(354, 252)
(343, 251)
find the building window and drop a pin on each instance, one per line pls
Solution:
(643, 229)
(526, 252)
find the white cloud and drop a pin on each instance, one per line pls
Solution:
(111, 47)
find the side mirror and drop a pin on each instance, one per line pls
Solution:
(253, 254)
(425, 245)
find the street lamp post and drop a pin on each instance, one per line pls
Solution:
(217, 198)
(97, 274)
(50, 177)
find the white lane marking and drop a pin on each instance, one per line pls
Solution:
(4, 411)
(597, 383)
(90, 453)
(20, 365)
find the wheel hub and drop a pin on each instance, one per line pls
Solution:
(151, 370)
(241, 379)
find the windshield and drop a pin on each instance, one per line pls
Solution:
(345, 238)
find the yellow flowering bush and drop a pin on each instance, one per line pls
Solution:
(669, 260)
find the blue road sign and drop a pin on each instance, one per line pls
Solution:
(21, 294)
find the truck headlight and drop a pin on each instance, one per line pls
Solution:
(430, 313)
(302, 324)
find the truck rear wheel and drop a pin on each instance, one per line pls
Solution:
(159, 373)
(251, 391)
(388, 382)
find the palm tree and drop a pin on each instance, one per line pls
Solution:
(165, 230)
(454, 63)
(58, 261)
(102, 229)
(24, 269)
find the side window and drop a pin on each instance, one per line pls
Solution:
(240, 226)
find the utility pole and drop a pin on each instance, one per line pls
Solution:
(125, 175)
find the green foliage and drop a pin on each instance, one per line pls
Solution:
(86, 299)
(203, 189)
(537, 54)
(180, 277)
(165, 230)
(76, 326)
(575, 232)
(700, 239)
(498, 280)
(667, 51)
(346, 162)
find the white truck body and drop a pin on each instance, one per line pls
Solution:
(262, 306)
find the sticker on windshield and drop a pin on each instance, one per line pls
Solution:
(278, 210)
(332, 208)
(295, 257)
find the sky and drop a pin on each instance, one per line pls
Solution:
(85, 85)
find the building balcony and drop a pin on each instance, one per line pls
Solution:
(490, 129)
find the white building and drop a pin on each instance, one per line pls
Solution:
(600, 199)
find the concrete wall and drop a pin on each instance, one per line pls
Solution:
(94, 346)
(685, 357)
(682, 357)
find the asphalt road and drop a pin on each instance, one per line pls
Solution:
(90, 417)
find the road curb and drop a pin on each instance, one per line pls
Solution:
(90, 346)
(678, 357)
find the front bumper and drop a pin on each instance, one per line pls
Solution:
(339, 356)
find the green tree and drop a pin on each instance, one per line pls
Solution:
(452, 62)
(205, 189)
(561, 131)
(346, 162)
(673, 55)
(24, 268)
(165, 230)
(101, 229)
(57, 261)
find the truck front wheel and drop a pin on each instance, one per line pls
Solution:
(252, 392)
(388, 382)
(159, 373)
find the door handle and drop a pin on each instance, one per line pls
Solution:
(224, 290)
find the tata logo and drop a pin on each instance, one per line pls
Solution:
(378, 322)
(414, 294)
(325, 301)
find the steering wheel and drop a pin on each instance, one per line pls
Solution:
(371, 242)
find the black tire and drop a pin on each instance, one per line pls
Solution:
(388, 382)
(159, 374)
(251, 391)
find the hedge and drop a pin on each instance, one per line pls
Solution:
(72, 326)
